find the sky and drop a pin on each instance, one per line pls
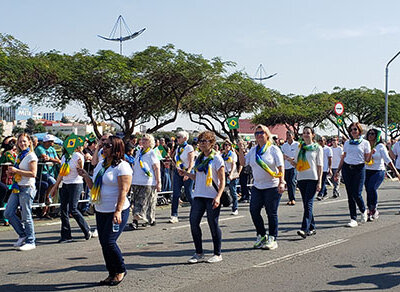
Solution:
(313, 45)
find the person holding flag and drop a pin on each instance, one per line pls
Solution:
(184, 159)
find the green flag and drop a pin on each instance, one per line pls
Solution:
(91, 137)
(392, 126)
(71, 143)
(339, 121)
(233, 123)
(162, 151)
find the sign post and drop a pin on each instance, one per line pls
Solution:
(339, 110)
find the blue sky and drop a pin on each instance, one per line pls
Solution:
(311, 44)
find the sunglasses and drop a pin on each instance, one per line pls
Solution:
(109, 145)
(178, 137)
(354, 129)
(259, 133)
(204, 141)
(371, 134)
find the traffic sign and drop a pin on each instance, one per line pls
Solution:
(339, 108)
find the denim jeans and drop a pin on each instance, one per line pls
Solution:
(108, 241)
(243, 181)
(24, 199)
(177, 186)
(232, 190)
(354, 178)
(373, 179)
(308, 189)
(290, 178)
(323, 192)
(69, 197)
(336, 184)
(166, 179)
(268, 198)
(199, 206)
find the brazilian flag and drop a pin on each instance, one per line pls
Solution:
(233, 123)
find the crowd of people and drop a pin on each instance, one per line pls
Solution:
(120, 176)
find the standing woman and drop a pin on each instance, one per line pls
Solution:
(108, 191)
(267, 164)
(23, 192)
(231, 173)
(70, 193)
(210, 182)
(308, 162)
(375, 171)
(356, 152)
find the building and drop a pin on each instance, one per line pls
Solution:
(247, 128)
(69, 128)
(53, 116)
(13, 113)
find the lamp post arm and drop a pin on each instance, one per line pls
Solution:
(386, 95)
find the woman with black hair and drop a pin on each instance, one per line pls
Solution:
(375, 171)
(112, 180)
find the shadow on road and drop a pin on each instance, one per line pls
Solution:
(48, 287)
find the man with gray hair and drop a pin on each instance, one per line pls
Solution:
(184, 160)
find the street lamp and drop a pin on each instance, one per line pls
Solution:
(386, 95)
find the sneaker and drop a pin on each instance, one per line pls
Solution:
(311, 232)
(62, 240)
(234, 213)
(214, 259)
(352, 223)
(27, 246)
(364, 216)
(375, 215)
(271, 243)
(19, 242)
(173, 219)
(319, 197)
(95, 233)
(260, 241)
(196, 258)
(302, 233)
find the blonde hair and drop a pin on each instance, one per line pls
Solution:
(151, 138)
(183, 134)
(265, 130)
(29, 139)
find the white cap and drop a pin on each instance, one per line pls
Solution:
(48, 138)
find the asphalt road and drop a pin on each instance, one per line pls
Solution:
(337, 258)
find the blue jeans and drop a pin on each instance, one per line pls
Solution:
(108, 241)
(354, 178)
(335, 183)
(166, 179)
(177, 186)
(373, 179)
(323, 192)
(268, 198)
(243, 180)
(232, 190)
(24, 199)
(69, 197)
(290, 178)
(199, 206)
(308, 188)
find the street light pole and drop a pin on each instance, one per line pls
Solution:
(386, 96)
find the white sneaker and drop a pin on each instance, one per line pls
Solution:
(19, 242)
(375, 215)
(364, 216)
(173, 219)
(352, 223)
(95, 233)
(270, 244)
(234, 213)
(196, 258)
(214, 259)
(27, 246)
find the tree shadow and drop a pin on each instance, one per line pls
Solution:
(47, 287)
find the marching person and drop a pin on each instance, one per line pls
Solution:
(289, 149)
(337, 152)
(210, 183)
(22, 194)
(308, 162)
(231, 173)
(266, 161)
(356, 152)
(112, 180)
(326, 169)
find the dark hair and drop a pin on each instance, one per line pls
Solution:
(117, 150)
(11, 143)
(378, 139)
(208, 135)
(129, 147)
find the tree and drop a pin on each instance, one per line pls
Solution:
(1, 129)
(17, 130)
(64, 120)
(30, 126)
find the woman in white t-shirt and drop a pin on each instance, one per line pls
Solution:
(210, 182)
(22, 194)
(111, 183)
(375, 171)
(267, 164)
(70, 193)
(356, 152)
(309, 160)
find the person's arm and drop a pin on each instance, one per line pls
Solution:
(83, 173)
(391, 153)
(242, 159)
(282, 183)
(157, 172)
(319, 173)
(95, 156)
(233, 168)
(26, 173)
(182, 172)
(336, 177)
(221, 187)
(330, 165)
(191, 161)
(124, 183)
(54, 188)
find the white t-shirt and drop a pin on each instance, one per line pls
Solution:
(185, 155)
(327, 153)
(380, 157)
(289, 150)
(396, 151)
(336, 156)
(228, 165)
(139, 177)
(273, 157)
(355, 153)
(109, 191)
(24, 165)
(314, 158)
(200, 187)
(73, 177)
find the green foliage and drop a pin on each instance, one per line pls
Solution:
(1, 129)
(17, 130)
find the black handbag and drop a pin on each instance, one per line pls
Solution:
(226, 199)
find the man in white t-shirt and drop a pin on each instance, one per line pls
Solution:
(326, 169)
(337, 152)
(288, 149)
(394, 152)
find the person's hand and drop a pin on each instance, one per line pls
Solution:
(88, 157)
(319, 186)
(185, 178)
(281, 187)
(158, 186)
(117, 217)
(336, 176)
(46, 157)
(216, 202)
(330, 172)
(181, 172)
(373, 151)
(52, 192)
(11, 170)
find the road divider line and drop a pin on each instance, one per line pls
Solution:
(53, 223)
(331, 202)
(204, 222)
(300, 253)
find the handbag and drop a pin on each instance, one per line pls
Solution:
(226, 199)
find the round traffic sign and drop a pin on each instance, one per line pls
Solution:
(339, 108)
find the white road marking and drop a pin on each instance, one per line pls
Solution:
(204, 222)
(299, 253)
(332, 202)
(53, 223)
